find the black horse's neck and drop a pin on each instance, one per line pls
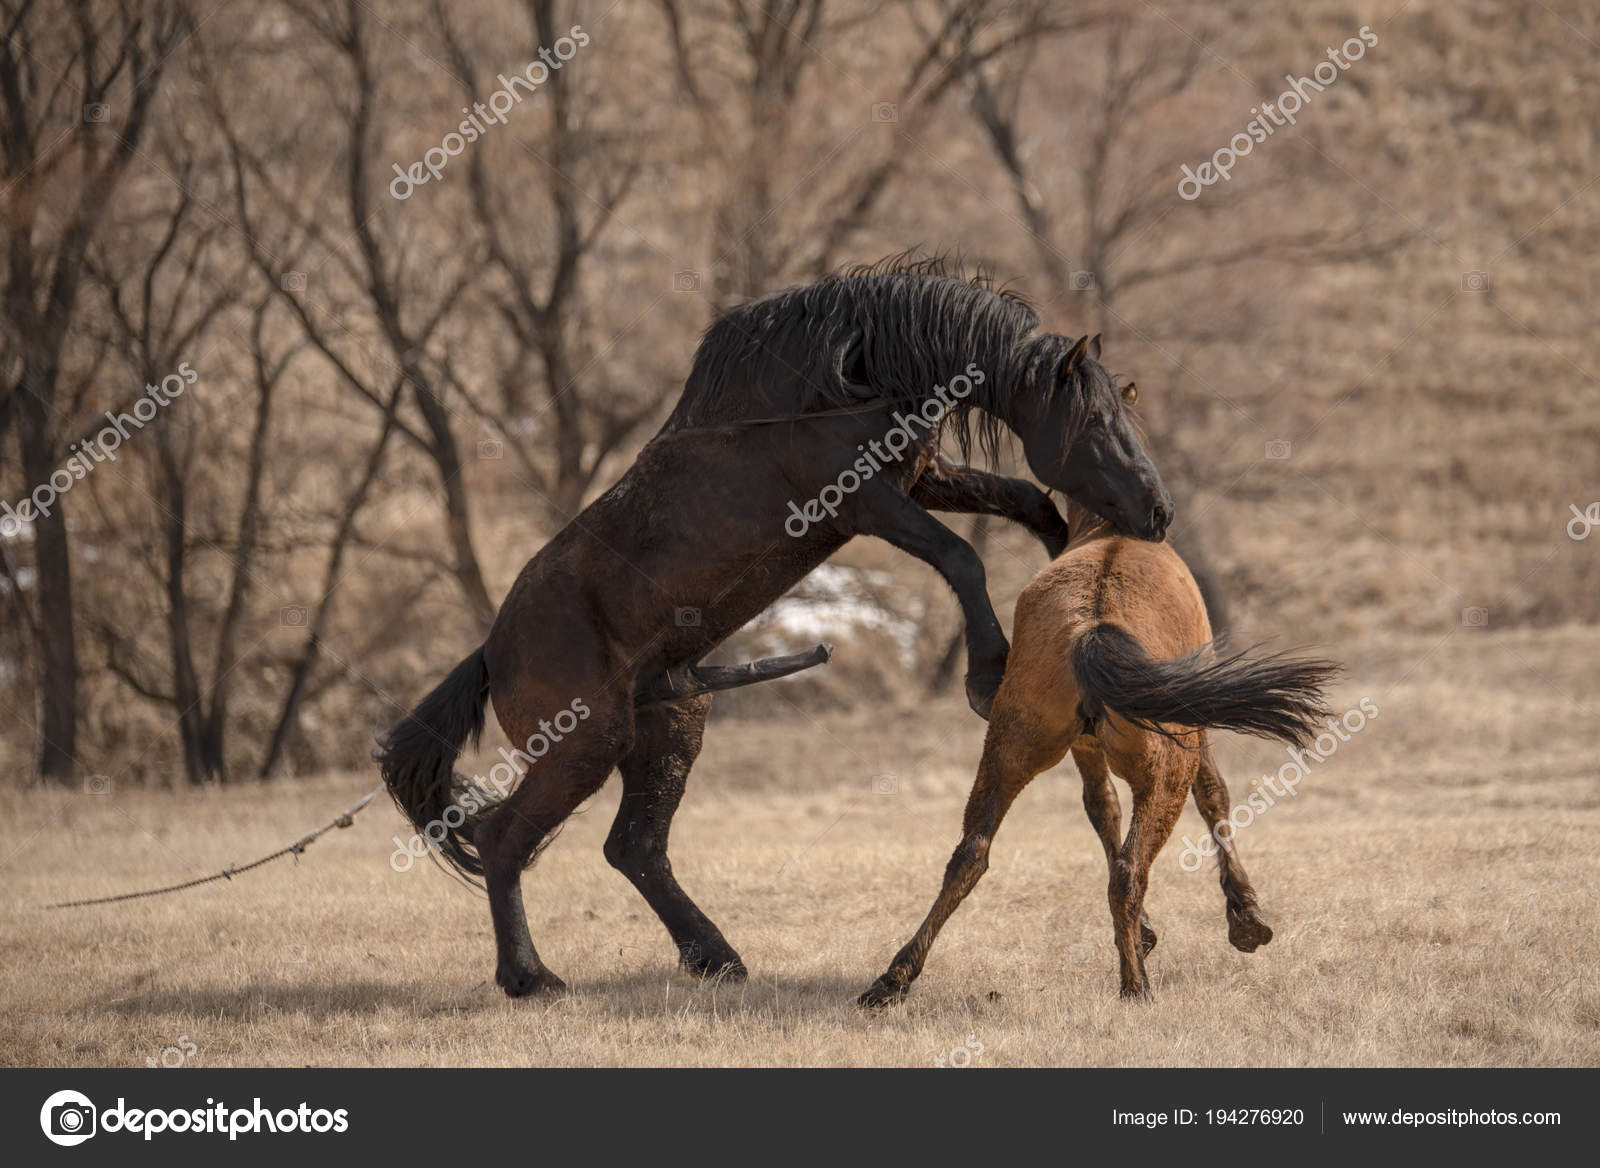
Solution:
(1016, 389)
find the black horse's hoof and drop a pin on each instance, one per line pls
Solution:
(519, 981)
(981, 690)
(716, 965)
(1247, 929)
(883, 992)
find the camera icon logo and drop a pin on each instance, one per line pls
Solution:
(687, 618)
(68, 1118)
(491, 448)
(293, 616)
(1475, 618)
(686, 281)
(97, 113)
(292, 281)
(1474, 281)
(884, 785)
(885, 111)
(1279, 449)
(1082, 281)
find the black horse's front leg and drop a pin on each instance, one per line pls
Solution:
(946, 485)
(888, 513)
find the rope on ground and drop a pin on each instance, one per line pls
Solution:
(344, 819)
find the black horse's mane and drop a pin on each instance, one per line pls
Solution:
(887, 332)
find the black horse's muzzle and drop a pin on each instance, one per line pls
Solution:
(1157, 520)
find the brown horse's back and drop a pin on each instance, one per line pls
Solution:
(1143, 587)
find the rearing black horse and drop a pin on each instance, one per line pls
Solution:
(780, 451)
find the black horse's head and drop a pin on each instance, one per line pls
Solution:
(1081, 441)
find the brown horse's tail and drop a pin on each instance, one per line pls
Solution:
(1276, 696)
(417, 759)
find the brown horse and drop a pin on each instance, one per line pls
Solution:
(1112, 660)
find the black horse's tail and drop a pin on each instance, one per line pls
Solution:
(1276, 696)
(418, 758)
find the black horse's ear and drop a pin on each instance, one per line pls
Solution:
(853, 360)
(1074, 358)
(1094, 346)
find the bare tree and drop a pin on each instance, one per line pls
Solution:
(388, 286)
(763, 234)
(162, 305)
(1122, 189)
(584, 173)
(318, 621)
(67, 135)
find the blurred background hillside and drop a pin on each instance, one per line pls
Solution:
(1365, 360)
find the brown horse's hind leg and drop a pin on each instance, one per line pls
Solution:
(1160, 786)
(513, 834)
(1012, 756)
(666, 743)
(1105, 813)
(1247, 928)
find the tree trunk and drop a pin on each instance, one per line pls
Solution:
(458, 514)
(57, 721)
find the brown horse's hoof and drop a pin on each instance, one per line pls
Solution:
(883, 992)
(1139, 993)
(519, 981)
(1247, 929)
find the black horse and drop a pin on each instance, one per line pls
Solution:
(810, 416)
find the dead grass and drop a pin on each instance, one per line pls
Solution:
(1433, 887)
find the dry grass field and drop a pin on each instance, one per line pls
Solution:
(1433, 886)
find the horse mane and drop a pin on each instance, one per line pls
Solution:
(887, 332)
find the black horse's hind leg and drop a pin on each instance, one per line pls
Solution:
(515, 832)
(888, 513)
(506, 841)
(666, 742)
(948, 486)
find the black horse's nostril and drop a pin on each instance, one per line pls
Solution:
(1161, 516)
